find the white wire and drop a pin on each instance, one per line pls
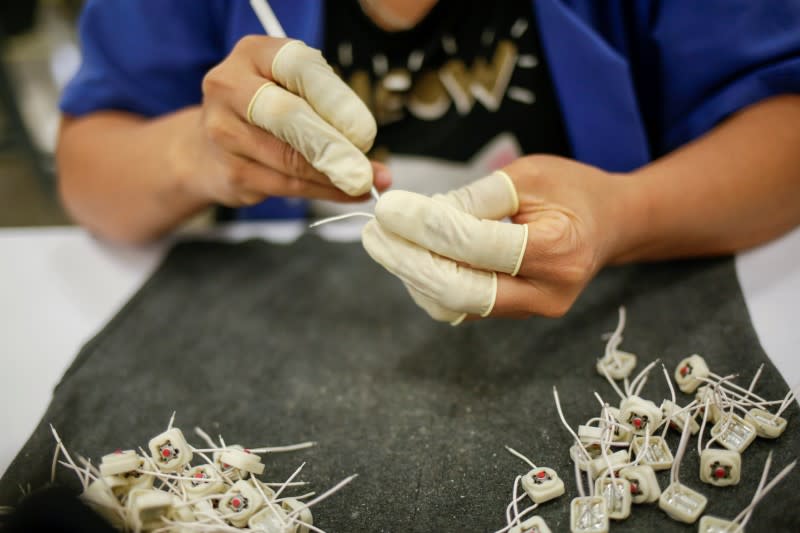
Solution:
(267, 18)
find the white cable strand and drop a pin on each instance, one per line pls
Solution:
(512, 451)
(267, 18)
(326, 494)
(777, 479)
(340, 217)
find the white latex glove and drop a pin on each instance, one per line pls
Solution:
(448, 249)
(314, 111)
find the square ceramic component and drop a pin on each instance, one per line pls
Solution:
(303, 514)
(733, 432)
(768, 426)
(142, 478)
(147, 507)
(622, 432)
(658, 456)
(228, 471)
(590, 434)
(640, 414)
(534, 524)
(619, 366)
(682, 503)
(270, 519)
(643, 483)
(242, 460)
(204, 480)
(100, 496)
(578, 455)
(588, 515)
(542, 484)
(677, 418)
(119, 462)
(714, 412)
(240, 503)
(617, 494)
(599, 465)
(688, 372)
(712, 524)
(170, 451)
(720, 467)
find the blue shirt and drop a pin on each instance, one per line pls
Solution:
(634, 79)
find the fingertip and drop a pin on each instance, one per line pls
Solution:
(382, 176)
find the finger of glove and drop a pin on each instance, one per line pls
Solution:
(304, 71)
(493, 197)
(453, 286)
(434, 309)
(292, 120)
(450, 232)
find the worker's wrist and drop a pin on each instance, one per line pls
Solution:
(184, 160)
(630, 213)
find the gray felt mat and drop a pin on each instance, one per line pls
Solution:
(270, 344)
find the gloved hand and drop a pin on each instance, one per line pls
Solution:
(276, 120)
(313, 110)
(456, 257)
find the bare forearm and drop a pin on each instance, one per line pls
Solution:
(120, 175)
(731, 189)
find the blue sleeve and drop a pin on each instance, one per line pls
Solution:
(144, 56)
(715, 57)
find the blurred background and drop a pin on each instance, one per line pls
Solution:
(38, 54)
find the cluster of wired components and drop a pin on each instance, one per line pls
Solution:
(159, 490)
(617, 454)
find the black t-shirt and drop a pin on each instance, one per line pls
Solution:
(468, 72)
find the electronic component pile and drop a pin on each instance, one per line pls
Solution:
(159, 490)
(616, 455)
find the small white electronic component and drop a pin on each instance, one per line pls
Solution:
(622, 432)
(270, 519)
(542, 484)
(720, 467)
(733, 432)
(147, 507)
(534, 524)
(712, 524)
(203, 481)
(119, 462)
(227, 470)
(640, 414)
(300, 512)
(658, 456)
(679, 501)
(599, 465)
(714, 411)
(617, 494)
(682, 503)
(643, 483)
(619, 364)
(588, 515)
(688, 372)
(99, 496)
(170, 451)
(579, 454)
(242, 460)
(590, 434)
(768, 425)
(678, 416)
(615, 363)
(239, 503)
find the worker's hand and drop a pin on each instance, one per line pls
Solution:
(457, 259)
(276, 120)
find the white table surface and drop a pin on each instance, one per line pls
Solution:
(59, 286)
